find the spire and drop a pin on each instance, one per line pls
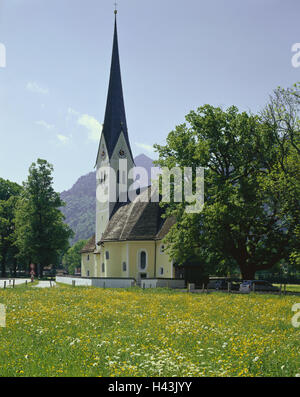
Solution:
(115, 117)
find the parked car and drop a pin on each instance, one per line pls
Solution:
(217, 284)
(260, 285)
(235, 285)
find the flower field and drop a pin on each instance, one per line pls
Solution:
(66, 331)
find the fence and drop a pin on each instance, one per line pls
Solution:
(97, 282)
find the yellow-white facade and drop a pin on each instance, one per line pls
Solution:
(128, 259)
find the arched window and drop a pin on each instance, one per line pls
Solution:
(143, 260)
(103, 268)
(118, 176)
(107, 255)
(124, 267)
(88, 257)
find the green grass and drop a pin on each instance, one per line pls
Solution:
(82, 331)
(290, 287)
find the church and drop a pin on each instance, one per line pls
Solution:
(128, 240)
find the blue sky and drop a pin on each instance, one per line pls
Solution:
(175, 56)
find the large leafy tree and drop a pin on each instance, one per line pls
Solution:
(9, 192)
(243, 223)
(41, 233)
(282, 115)
(72, 258)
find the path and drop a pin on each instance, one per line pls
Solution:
(45, 284)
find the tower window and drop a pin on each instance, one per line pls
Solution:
(124, 267)
(88, 273)
(103, 267)
(162, 248)
(161, 271)
(88, 257)
(107, 254)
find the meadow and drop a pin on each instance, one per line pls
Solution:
(290, 287)
(67, 331)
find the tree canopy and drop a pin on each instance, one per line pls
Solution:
(9, 193)
(72, 258)
(41, 235)
(250, 217)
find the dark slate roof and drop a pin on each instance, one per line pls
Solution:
(115, 117)
(90, 245)
(168, 223)
(137, 221)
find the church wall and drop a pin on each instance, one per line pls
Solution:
(125, 260)
(98, 270)
(87, 265)
(135, 249)
(163, 262)
(113, 264)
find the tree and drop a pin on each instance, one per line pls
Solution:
(242, 224)
(9, 192)
(72, 258)
(282, 115)
(41, 233)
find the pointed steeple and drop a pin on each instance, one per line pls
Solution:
(115, 116)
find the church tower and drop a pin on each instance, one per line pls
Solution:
(114, 146)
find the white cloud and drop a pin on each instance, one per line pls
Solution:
(63, 139)
(33, 86)
(92, 125)
(45, 124)
(72, 112)
(148, 148)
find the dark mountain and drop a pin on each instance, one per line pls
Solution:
(81, 202)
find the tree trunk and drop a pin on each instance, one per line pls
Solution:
(3, 272)
(3, 264)
(14, 268)
(248, 273)
(40, 271)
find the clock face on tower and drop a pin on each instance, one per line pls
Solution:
(122, 153)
